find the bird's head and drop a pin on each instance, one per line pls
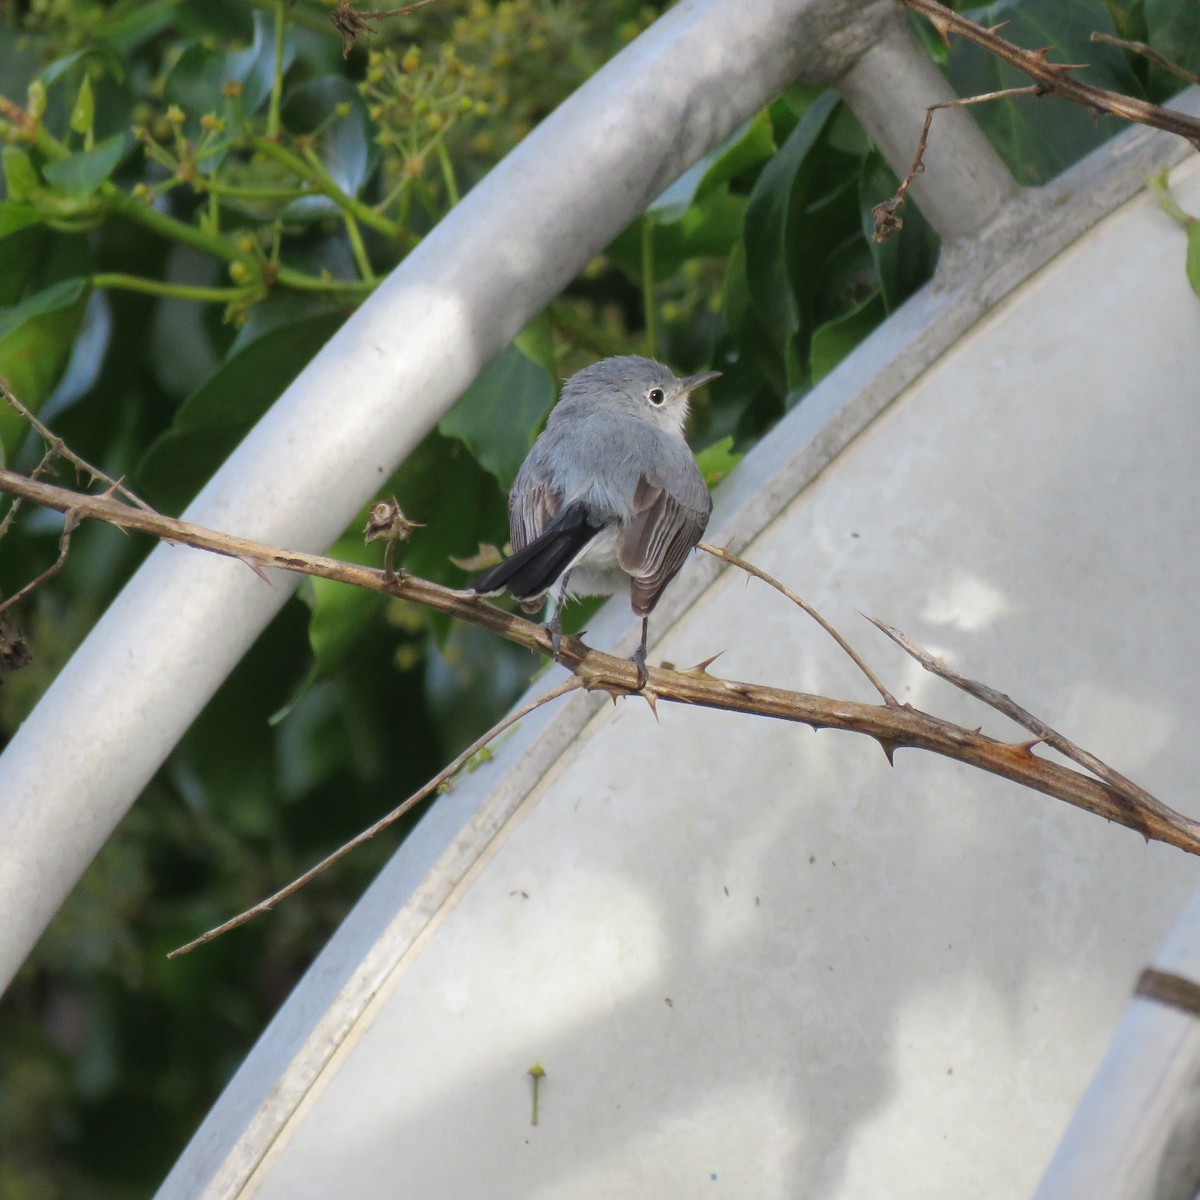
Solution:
(636, 384)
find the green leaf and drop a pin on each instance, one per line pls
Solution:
(80, 174)
(17, 216)
(746, 147)
(84, 113)
(1039, 137)
(777, 199)
(717, 460)
(1174, 30)
(36, 337)
(346, 145)
(339, 614)
(442, 485)
(1193, 256)
(498, 416)
(215, 418)
(835, 339)
(20, 175)
(197, 81)
(99, 53)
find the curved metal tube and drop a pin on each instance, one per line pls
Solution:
(186, 618)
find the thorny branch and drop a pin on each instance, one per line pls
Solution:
(442, 777)
(1049, 79)
(724, 554)
(893, 727)
(55, 448)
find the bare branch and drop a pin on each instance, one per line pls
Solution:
(436, 782)
(57, 448)
(886, 222)
(1006, 705)
(725, 555)
(892, 727)
(350, 22)
(1150, 54)
(64, 543)
(1055, 78)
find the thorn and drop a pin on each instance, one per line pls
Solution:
(701, 668)
(257, 568)
(1027, 747)
(997, 28)
(942, 25)
(651, 698)
(889, 748)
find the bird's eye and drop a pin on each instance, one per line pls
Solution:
(656, 396)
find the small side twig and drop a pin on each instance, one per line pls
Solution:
(57, 448)
(70, 521)
(887, 224)
(725, 555)
(350, 21)
(1056, 78)
(1003, 703)
(452, 768)
(1148, 53)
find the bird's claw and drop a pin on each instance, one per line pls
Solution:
(554, 628)
(638, 658)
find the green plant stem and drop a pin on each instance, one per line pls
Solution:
(121, 202)
(1157, 183)
(648, 288)
(180, 291)
(447, 171)
(239, 192)
(273, 118)
(346, 289)
(313, 170)
(360, 251)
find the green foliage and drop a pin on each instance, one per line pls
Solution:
(159, 289)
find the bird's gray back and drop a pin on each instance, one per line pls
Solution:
(601, 457)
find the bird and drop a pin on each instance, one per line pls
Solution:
(610, 494)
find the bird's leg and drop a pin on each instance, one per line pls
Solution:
(554, 625)
(638, 658)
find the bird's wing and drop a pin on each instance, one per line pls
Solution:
(532, 504)
(671, 510)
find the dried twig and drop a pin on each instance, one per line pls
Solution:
(57, 448)
(443, 776)
(1011, 709)
(1055, 78)
(350, 21)
(1150, 54)
(887, 224)
(725, 555)
(64, 544)
(1050, 79)
(892, 727)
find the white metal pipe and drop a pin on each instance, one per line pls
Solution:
(964, 184)
(186, 618)
(1136, 1133)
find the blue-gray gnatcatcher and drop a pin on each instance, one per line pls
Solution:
(609, 494)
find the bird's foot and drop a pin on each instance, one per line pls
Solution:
(554, 629)
(638, 658)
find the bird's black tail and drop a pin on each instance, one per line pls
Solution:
(533, 570)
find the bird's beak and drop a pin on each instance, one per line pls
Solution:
(692, 382)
